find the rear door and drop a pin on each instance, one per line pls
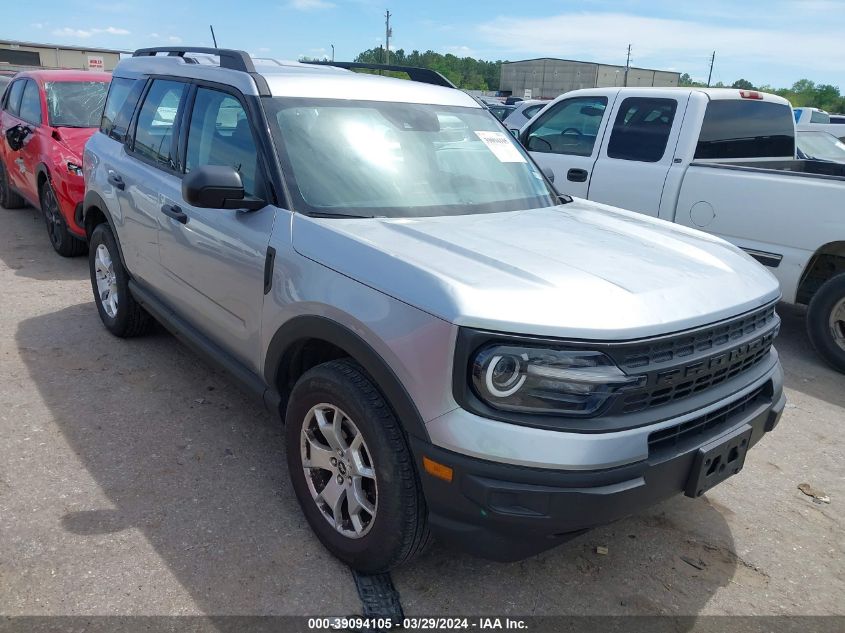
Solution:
(636, 155)
(566, 139)
(148, 178)
(214, 259)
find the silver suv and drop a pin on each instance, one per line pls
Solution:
(456, 348)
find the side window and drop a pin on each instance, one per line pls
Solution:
(15, 91)
(30, 110)
(219, 134)
(641, 129)
(530, 111)
(154, 131)
(120, 103)
(819, 117)
(570, 127)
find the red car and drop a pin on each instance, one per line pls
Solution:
(47, 116)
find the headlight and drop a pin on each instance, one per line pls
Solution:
(74, 169)
(542, 380)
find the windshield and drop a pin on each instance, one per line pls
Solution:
(363, 158)
(821, 145)
(75, 103)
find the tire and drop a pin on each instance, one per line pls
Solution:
(123, 317)
(63, 242)
(396, 530)
(8, 198)
(826, 321)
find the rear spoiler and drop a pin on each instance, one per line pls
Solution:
(422, 75)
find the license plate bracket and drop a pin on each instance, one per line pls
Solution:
(718, 460)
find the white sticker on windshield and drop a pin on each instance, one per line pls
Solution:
(501, 146)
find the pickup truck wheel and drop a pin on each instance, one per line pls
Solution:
(63, 242)
(826, 321)
(120, 313)
(8, 198)
(351, 469)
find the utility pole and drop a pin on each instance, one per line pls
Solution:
(213, 39)
(710, 75)
(388, 33)
(332, 45)
(627, 64)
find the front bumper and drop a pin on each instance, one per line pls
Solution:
(508, 512)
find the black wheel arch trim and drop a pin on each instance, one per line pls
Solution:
(93, 199)
(300, 328)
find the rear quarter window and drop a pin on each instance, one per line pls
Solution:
(746, 129)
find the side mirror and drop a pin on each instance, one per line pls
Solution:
(15, 136)
(548, 173)
(514, 132)
(217, 187)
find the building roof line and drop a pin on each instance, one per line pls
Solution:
(579, 61)
(65, 47)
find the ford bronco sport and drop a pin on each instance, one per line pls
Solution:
(455, 348)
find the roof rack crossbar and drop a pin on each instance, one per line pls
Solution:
(423, 75)
(229, 58)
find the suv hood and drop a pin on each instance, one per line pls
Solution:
(580, 270)
(73, 139)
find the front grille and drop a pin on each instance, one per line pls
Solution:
(684, 345)
(743, 360)
(690, 363)
(711, 423)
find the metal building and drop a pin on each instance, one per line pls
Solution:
(546, 77)
(29, 55)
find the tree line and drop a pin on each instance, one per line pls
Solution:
(803, 93)
(477, 74)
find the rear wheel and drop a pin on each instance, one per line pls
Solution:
(120, 313)
(352, 470)
(64, 243)
(8, 198)
(826, 321)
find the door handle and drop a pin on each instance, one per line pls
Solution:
(173, 211)
(116, 181)
(577, 175)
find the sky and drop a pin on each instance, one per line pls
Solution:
(771, 42)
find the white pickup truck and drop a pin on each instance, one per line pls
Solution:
(815, 120)
(719, 160)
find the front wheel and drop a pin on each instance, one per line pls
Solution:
(826, 321)
(119, 312)
(351, 469)
(64, 243)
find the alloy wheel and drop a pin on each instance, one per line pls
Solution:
(339, 470)
(106, 280)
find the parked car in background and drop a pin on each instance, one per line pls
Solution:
(815, 120)
(522, 112)
(719, 160)
(454, 346)
(500, 111)
(46, 118)
(820, 146)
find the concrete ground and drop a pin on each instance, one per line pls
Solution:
(135, 479)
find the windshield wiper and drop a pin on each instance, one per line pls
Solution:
(323, 214)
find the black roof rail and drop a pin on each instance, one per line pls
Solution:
(423, 75)
(229, 58)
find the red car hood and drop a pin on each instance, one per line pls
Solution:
(73, 138)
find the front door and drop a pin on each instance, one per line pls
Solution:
(23, 162)
(566, 140)
(214, 258)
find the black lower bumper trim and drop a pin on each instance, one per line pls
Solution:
(506, 512)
